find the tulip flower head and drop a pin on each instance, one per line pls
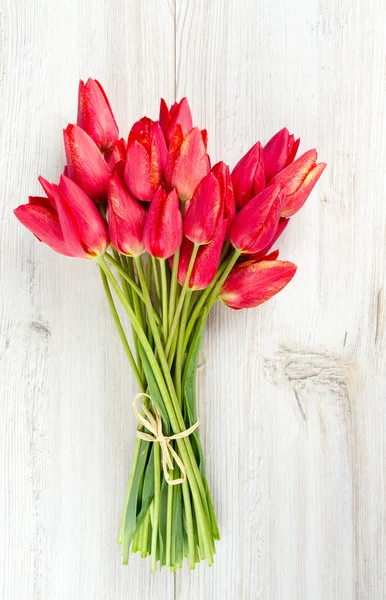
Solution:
(145, 159)
(298, 180)
(248, 176)
(279, 152)
(254, 282)
(204, 211)
(95, 116)
(223, 176)
(255, 225)
(162, 233)
(126, 218)
(191, 164)
(179, 114)
(86, 165)
(69, 223)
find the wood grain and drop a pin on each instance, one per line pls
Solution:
(292, 395)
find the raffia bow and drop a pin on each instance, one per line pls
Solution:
(154, 425)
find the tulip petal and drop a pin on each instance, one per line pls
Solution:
(137, 172)
(252, 283)
(191, 165)
(82, 225)
(95, 116)
(47, 187)
(294, 202)
(42, 220)
(126, 219)
(86, 165)
(162, 234)
(292, 177)
(255, 225)
(180, 114)
(248, 177)
(115, 158)
(204, 212)
(223, 176)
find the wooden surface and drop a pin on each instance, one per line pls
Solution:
(292, 395)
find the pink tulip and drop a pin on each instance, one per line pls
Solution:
(279, 152)
(252, 283)
(86, 165)
(255, 225)
(191, 164)
(297, 181)
(162, 234)
(95, 116)
(248, 176)
(145, 159)
(126, 218)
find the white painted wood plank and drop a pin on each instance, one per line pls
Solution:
(293, 393)
(297, 387)
(66, 426)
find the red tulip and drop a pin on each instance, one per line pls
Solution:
(179, 114)
(86, 165)
(95, 116)
(83, 227)
(191, 164)
(255, 225)
(207, 260)
(70, 223)
(279, 152)
(297, 181)
(145, 159)
(252, 283)
(126, 219)
(223, 176)
(162, 234)
(115, 158)
(41, 218)
(204, 211)
(248, 176)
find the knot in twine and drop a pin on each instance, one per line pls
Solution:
(154, 425)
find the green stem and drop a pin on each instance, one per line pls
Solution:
(208, 294)
(181, 300)
(196, 480)
(121, 332)
(164, 296)
(125, 275)
(156, 277)
(180, 351)
(173, 286)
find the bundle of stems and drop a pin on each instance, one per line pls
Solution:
(168, 522)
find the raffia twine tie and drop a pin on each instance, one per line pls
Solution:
(154, 425)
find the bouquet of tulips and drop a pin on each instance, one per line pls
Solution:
(171, 236)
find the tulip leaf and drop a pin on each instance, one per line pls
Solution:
(147, 489)
(189, 376)
(130, 522)
(161, 546)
